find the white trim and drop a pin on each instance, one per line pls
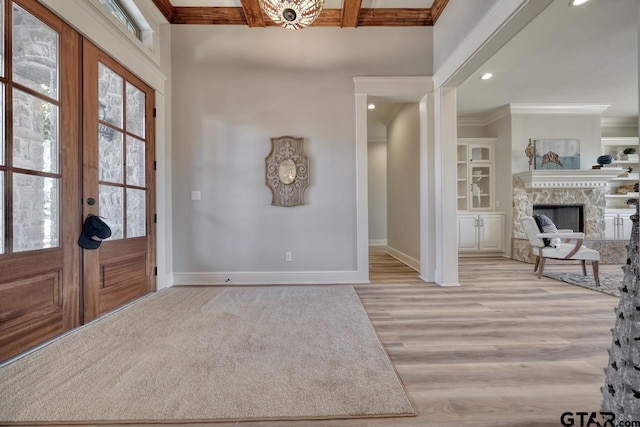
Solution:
(491, 22)
(404, 258)
(402, 89)
(377, 242)
(511, 109)
(376, 138)
(268, 278)
(408, 89)
(96, 23)
(567, 178)
(597, 109)
(612, 122)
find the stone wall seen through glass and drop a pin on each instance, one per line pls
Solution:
(135, 162)
(35, 133)
(35, 53)
(136, 213)
(36, 212)
(135, 110)
(110, 155)
(110, 102)
(112, 209)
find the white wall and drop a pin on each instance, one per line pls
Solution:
(586, 128)
(377, 168)
(234, 89)
(403, 184)
(619, 132)
(473, 132)
(501, 130)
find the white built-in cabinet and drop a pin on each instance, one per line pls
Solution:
(476, 175)
(480, 228)
(618, 225)
(480, 233)
(617, 218)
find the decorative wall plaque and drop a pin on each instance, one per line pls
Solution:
(287, 171)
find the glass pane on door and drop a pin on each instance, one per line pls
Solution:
(136, 213)
(480, 187)
(135, 110)
(135, 162)
(110, 153)
(112, 209)
(480, 154)
(36, 212)
(110, 102)
(35, 133)
(35, 53)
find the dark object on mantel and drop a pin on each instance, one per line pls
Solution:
(604, 159)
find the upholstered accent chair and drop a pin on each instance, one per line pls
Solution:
(565, 250)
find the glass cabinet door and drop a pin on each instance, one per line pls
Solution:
(480, 153)
(480, 187)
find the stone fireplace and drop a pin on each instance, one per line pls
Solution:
(584, 188)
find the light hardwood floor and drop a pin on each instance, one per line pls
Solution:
(503, 349)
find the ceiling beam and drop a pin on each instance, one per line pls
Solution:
(350, 13)
(377, 17)
(436, 9)
(253, 13)
(166, 8)
(328, 17)
(209, 15)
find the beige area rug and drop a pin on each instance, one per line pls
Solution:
(199, 354)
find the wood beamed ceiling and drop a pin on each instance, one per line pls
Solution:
(350, 15)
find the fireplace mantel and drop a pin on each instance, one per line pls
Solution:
(553, 178)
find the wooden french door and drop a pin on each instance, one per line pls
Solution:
(118, 182)
(39, 176)
(76, 138)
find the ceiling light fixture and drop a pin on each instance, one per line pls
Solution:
(292, 14)
(486, 76)
(577, 2)
(371, 106)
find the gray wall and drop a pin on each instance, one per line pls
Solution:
(586, 128)
(377, 177)
(403, 182)
(234, 88)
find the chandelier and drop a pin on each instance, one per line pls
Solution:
(292, 14)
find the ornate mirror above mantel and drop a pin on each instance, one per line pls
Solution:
(287, 171)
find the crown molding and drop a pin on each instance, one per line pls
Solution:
(617, 122)
(512, 109)
(558, 108)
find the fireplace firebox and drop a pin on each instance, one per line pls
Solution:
(563, 216)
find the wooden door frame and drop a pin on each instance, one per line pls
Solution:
(92, 55)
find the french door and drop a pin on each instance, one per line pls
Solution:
(118, 182)
(76, 139)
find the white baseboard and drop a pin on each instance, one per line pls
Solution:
(271, 278)
(404, 258)
(377, 242)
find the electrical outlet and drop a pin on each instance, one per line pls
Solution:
(196, 195)
(288, 257)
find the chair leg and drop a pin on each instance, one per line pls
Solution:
(542, 260)
(584, 267)
(596, 272)
(535, 267)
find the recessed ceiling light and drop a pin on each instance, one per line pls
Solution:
(486, 76)
(371, 106)
(577, 2)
